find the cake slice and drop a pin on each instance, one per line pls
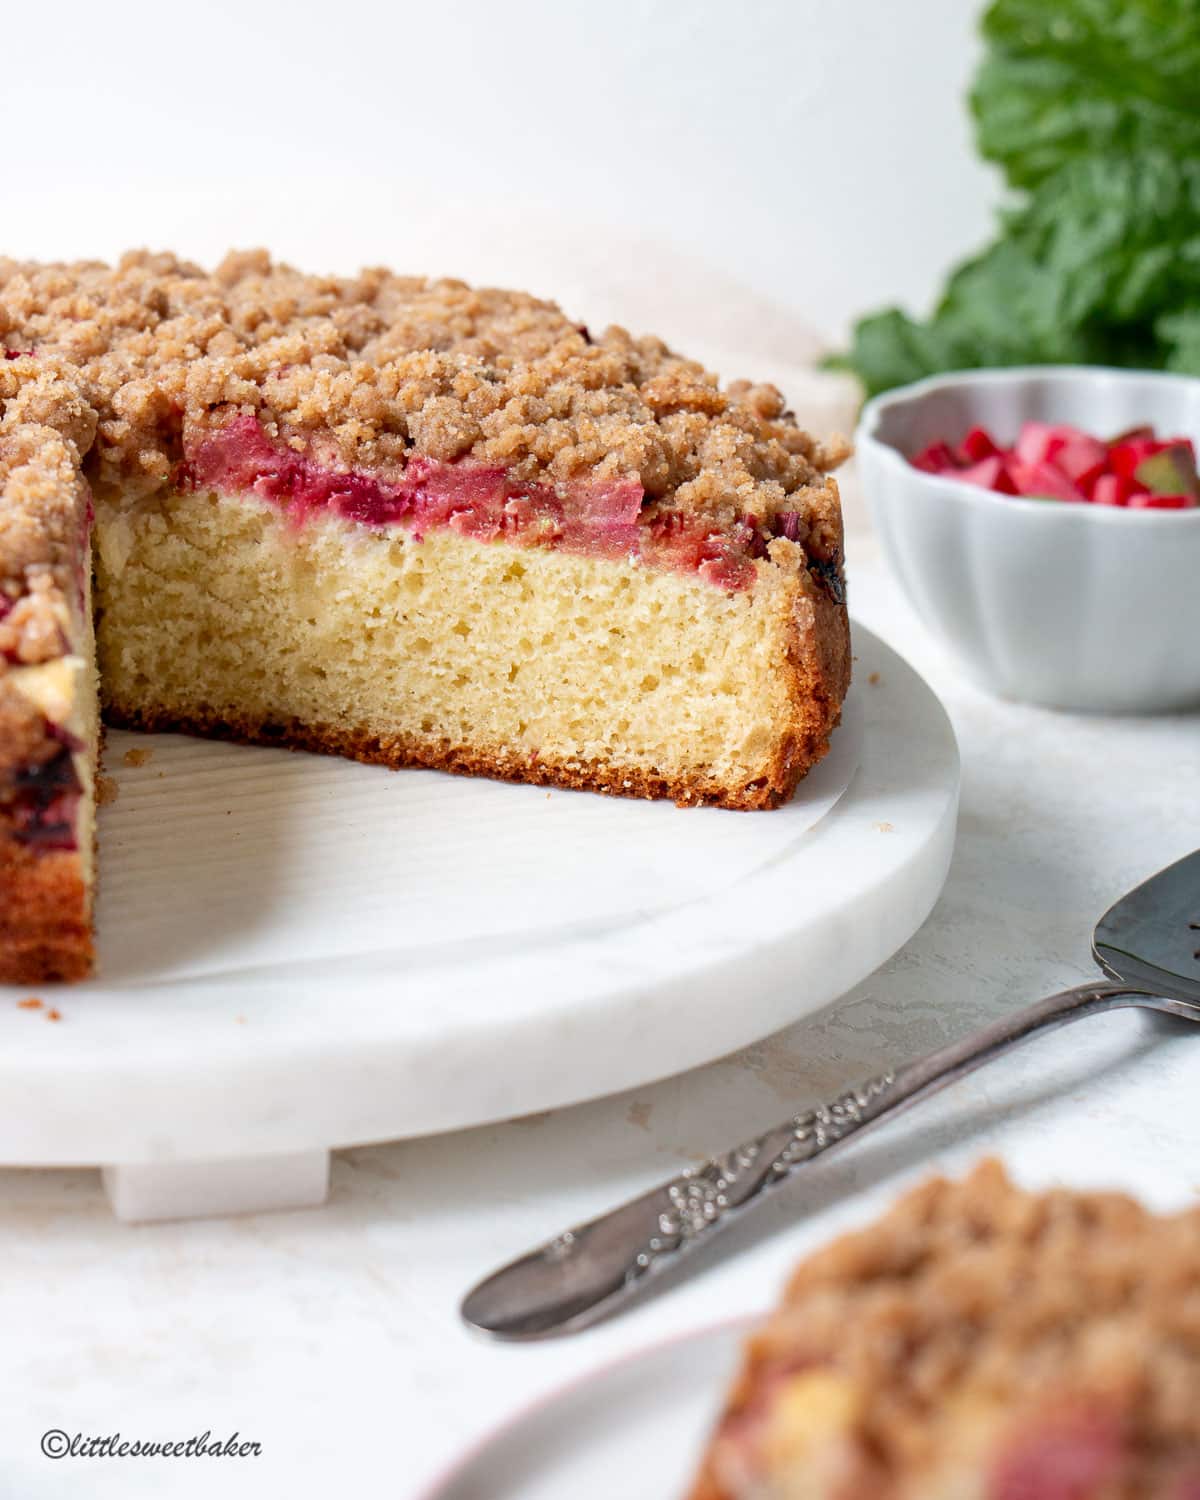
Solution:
(978, 1343)
(48, 708)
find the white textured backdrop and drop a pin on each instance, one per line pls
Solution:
(678, 165)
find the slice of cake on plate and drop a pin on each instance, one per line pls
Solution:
(420, 524)
(48, 714)
(978, 1343)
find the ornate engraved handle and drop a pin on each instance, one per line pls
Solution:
(594, 1268)
(700, 1196)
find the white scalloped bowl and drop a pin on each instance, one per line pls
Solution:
(1083, 607)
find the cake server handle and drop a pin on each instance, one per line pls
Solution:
(594, 1268)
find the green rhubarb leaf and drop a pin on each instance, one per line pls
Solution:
(1027, 300)
(1067, 78)
(1180, 336)
(891, 349)
(1092, 107)
(1118, 239)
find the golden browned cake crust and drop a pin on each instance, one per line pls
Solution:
(978, 1341)
(45, 916)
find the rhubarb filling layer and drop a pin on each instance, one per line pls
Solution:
(45, 803)
(597, 517)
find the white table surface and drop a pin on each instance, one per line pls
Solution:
(331, 1337)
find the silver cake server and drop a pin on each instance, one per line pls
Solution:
(1149, 946)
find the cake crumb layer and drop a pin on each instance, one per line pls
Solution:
(457, 654)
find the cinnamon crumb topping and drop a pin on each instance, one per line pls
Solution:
(45, 427)
(975, 1302)
(364, 371)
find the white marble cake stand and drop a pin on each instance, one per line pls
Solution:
(299, 953)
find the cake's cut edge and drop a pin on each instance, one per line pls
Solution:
(483, 658)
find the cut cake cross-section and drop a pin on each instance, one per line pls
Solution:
(449, 615)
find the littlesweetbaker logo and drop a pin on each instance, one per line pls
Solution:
(59, 1444)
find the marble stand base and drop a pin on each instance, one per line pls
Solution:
(298, 953)
(146, 1191)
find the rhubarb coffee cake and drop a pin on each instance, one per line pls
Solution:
(978, 1343)
(420, 524)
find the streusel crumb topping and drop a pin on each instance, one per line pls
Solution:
(977, 1291)
(364, 372)
(45, 427)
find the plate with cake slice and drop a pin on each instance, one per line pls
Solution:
(415, 527)
(977, 1340)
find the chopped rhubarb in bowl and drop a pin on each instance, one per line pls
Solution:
(1055, 461)
(1016, 524)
